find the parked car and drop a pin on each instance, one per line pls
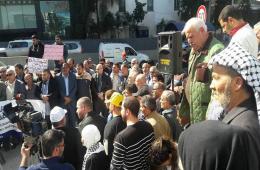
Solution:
(16, 48)
(74, 47)
(113, 52)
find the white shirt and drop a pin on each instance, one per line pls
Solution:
(246, 37)
(10, 90)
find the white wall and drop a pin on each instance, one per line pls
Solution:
(163, 9)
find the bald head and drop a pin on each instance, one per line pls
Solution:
(140, 81)
(99, 69)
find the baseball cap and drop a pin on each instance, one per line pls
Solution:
(57, 114)
(116, 99)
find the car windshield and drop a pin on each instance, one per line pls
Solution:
(71, 46)
(18, 44)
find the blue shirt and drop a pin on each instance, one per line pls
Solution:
(53, 163)
(66, 81)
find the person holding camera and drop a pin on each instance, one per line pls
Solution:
(52, 150)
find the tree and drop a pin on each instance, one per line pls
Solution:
(188, 8)
(55, 24)
(108, 22)
(138, 13)
(219, 5)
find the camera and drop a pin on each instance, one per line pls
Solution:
(29, 121)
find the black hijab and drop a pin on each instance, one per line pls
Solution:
(214, 145)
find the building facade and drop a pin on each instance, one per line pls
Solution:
(22, 18)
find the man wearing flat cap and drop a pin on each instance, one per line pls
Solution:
(72, 139)
(236, 86)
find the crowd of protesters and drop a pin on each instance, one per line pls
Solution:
(131, 116)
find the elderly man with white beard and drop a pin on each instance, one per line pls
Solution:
(236, 86)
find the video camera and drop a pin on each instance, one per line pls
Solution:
(29, 121)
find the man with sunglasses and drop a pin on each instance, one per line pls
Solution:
(15, 89)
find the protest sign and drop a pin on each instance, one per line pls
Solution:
(37, 65)
(53, 52)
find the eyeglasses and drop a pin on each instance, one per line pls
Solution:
(9, 74)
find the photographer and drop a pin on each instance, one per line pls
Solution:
(52, 149)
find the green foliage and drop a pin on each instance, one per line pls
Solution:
(245, 5)
(138, 13)
(161, 25)
(123, 19)
(55, 23)
(220, 4)
(108, 22)
(188, 8)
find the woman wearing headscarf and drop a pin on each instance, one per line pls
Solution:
(214, 145)
(95, 157)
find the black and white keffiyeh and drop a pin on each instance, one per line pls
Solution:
(95, 148)
(244, 63)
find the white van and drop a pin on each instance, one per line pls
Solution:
(113, 52)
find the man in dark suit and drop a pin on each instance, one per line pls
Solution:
(235, 86)
(2, 91)
(67, 85)
(102, 81)
(19, 70)
(48, 89)
(48, 92)
(15, 89)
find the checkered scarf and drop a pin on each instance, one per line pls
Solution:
(244, 63)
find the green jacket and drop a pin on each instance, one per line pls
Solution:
(197, 94)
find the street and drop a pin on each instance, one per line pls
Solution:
(12, 158)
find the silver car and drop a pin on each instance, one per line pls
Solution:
(16, 48)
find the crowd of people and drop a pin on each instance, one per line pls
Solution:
(124, 115)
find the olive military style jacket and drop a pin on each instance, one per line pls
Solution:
(197, 92)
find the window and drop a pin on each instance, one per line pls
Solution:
(71, 46)
(17, 14)
(149, 5)
(121, 5)
(176, 5)
(18, 45)
(56, 15)
(130, 51)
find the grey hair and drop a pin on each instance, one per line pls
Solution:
(153, 68)
(196, 23)
(169, 96)
(149, 102)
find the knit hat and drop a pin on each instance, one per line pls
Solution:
(57, 114)
(90, 135)
(116, 99)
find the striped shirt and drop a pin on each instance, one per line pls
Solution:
(131, 147)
